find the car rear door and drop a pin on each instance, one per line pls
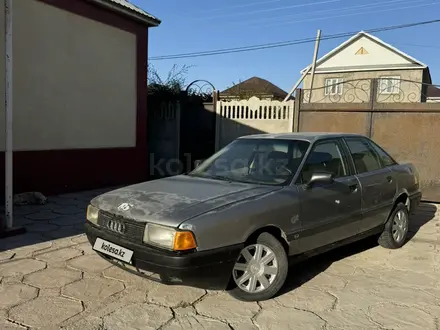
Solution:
(328, 213)
(377, 181)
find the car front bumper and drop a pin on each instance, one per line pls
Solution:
(204, 269)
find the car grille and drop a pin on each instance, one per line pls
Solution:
(122, 226)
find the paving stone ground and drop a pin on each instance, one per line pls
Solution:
(50, 278)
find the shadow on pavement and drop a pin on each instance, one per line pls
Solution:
(304, 271)
(424, 214)
(62, 217)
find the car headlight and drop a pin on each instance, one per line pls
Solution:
(169, 238)
(92, 214)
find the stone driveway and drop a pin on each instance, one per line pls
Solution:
(50, 278)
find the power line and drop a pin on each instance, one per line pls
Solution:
(237, 6)
(268, 10)
(313, 13)
(352, 14)
(285, 43)
(416, 45)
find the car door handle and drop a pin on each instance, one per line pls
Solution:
(353, 188)
(389, 179)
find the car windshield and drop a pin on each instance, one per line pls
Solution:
(260, 161)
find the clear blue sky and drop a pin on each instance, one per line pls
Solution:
(196, 25)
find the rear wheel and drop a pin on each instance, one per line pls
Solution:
(260, 270)
(396, 228)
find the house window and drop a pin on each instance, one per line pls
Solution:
(389, 85)
(333, 86)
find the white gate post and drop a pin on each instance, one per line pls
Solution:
(291, 115)
(218, 124)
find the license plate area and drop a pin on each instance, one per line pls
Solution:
(113, 250)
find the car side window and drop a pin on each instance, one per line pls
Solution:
(387, 160)
(324, 157)
(364, 157)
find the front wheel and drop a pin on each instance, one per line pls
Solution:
(260, 270)
(396, 228)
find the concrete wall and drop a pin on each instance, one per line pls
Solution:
(348, 122)
(253, 116)
(74, 80)
(408, 131)
(356, 87)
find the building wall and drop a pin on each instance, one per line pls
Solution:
(74, 81)
(376, 54)
(356, 86)
(79, 96)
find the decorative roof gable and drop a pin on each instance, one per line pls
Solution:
(365, 52)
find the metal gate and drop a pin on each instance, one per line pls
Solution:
(181, 129)
(197, 127)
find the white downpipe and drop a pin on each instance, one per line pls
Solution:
(8, 115)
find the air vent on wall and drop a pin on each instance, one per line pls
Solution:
(362, 51)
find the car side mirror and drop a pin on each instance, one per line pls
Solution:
(198, 162)
(321, 177)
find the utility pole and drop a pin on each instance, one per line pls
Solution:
(315, 56)
(297, 84)
(306, 72)
(8, 229)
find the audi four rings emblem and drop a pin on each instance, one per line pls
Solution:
(124, 207)
(116, 226)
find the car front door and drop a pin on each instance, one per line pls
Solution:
(330, 212)
(377, 181)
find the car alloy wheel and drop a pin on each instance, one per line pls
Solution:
(400, 226)
(396, 228)
(255, 269)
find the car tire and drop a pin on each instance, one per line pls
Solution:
(278, 267)
(398, 221)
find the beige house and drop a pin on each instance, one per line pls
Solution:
(79, 93)
(345, 73)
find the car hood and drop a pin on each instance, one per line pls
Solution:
(176, 199)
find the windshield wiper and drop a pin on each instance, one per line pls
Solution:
(219, 177)
(210, 176)
(229, 179)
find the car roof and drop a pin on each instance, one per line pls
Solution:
(305, 136)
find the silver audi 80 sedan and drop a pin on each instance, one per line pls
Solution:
(239, 218)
